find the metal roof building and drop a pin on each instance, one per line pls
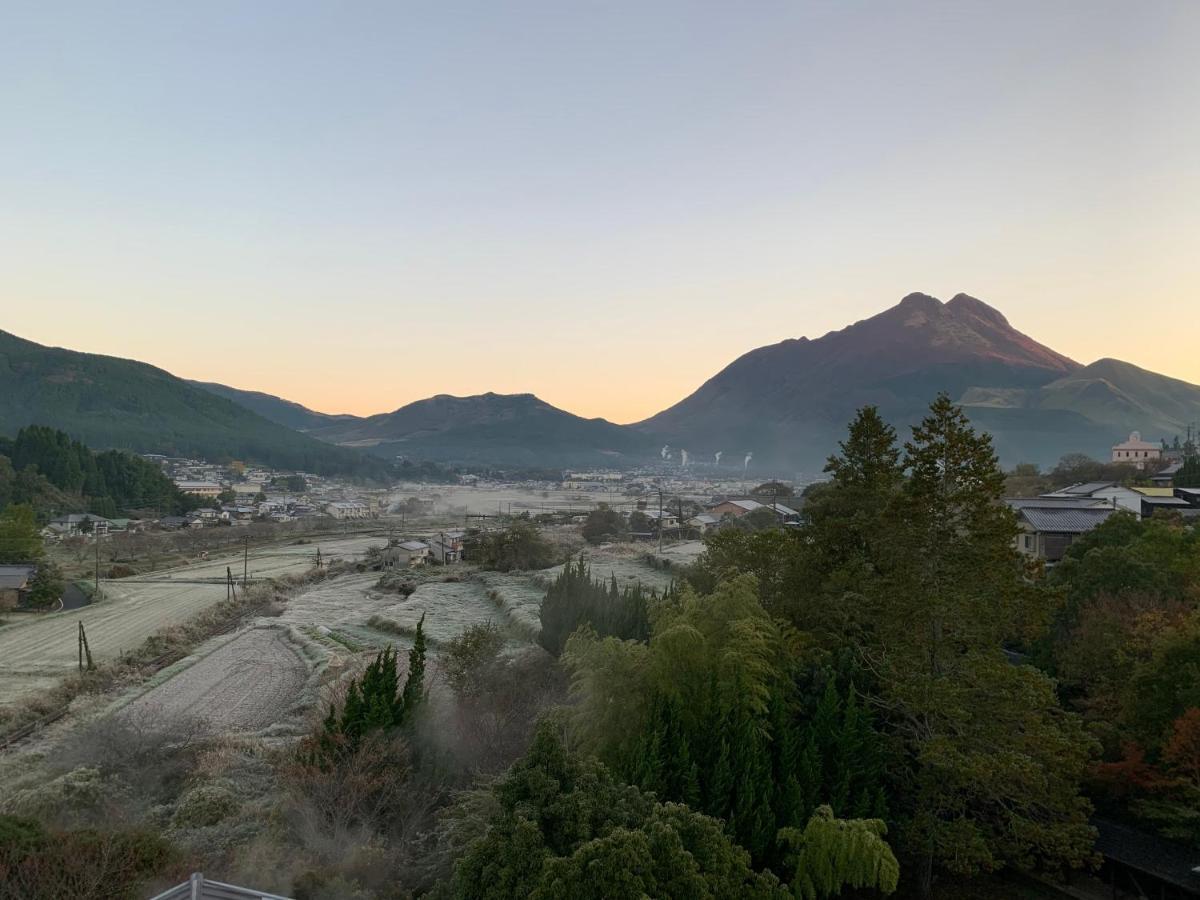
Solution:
(1072, 520)
(200, 888)
(1049, 531)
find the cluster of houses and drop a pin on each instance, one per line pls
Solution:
(239, 512)
(714, 515)
(735, 508)
(444, 548)
(1052, 522)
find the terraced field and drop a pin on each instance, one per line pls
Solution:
(36, 650)
(246, 684)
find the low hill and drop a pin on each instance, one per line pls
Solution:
(1122, 395)
(516, 429)
(108, 402)
(1091, 409)
(276, 409)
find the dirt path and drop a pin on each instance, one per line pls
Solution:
(245, 684)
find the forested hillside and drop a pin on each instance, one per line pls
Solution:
(54, 474)
(112, 403)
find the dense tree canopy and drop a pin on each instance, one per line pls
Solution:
(575, 599)
(604, 524)
(518, 546)
(905, 565)
(20, 538)
(57, 474)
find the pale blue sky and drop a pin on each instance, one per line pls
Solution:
(356, 205)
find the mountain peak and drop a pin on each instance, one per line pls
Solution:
(965, 304)
(919, 301)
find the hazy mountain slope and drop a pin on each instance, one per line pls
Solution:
(502, 428)
(276, 409)
(118, 403)
(1122, 395)
(791, 401)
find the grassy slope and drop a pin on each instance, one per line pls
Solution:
(117, 403)
(276, 409)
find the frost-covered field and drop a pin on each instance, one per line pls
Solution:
(245, 684)
(35, 650)
(490, 501)
(449, 609)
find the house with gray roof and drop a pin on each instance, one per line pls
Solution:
(15, 583)
(405, 553)
(1116, 495)
(1048, 531)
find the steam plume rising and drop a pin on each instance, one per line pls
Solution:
(717, 457)
(746, 461)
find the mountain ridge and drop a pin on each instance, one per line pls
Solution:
(113, 403)
(510, 428)
(787, 402)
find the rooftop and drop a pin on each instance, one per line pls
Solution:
(1069, 520)
(1084, 489)
(200, 888)
(1056, 502)
(15, 577)
(1166, 860)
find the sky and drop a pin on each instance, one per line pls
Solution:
(358, 205)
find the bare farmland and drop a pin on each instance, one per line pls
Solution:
(35, 651)
(246, 684)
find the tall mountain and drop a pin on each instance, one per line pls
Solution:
(502, 428)
(789, 402)
(276, 409)
(108, 402)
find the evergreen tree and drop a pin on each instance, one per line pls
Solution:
(870, 458)
(954, 588)
(1189, 475)
(414, 685)
(374, 702)
(575, 599)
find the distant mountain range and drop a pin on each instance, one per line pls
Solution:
(516, 429)
(787, 403)
(108, 402)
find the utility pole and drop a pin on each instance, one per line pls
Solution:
(96, 538)
(245, 560)
(660, 522)
(84, 649)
